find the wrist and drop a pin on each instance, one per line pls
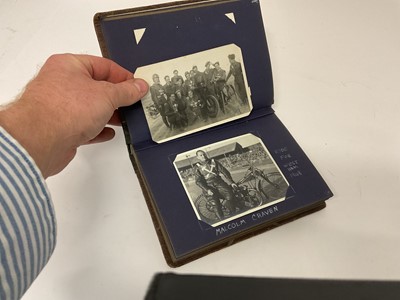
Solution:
(25, 124)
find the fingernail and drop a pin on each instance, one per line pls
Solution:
(141, 85)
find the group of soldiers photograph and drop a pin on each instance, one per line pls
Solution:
(183, 101)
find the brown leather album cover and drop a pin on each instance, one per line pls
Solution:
(215, 163)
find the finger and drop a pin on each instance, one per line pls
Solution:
(104, 69)
(105, 135)
(128, 92)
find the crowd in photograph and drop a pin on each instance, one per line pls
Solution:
(255, 154)
(181, 101)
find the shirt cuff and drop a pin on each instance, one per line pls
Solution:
(27, 219)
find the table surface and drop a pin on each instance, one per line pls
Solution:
(336, 67)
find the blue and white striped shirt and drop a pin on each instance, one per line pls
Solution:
(27, 220)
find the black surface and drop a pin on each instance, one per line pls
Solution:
(183, 287)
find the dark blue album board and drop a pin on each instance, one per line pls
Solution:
(208, 66)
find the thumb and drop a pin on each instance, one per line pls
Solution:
(129, 92)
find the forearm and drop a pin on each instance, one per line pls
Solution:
(27, 222)
(25, 121)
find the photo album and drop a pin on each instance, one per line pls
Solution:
(215, 163)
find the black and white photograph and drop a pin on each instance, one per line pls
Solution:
(195, 92)
(231, 178)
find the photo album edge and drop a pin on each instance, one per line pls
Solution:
(215, 163)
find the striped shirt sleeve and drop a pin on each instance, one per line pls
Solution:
(27, 220)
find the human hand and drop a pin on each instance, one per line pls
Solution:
(67, 105)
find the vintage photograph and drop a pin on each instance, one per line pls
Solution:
(230, 178)
(195, 92)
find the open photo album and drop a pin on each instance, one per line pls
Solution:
(215, 163)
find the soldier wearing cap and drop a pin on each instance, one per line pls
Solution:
(208, 76)
(155, 92)
(195, 105)
(155, 89)
(201, 91)
(172, 113)
(179, 85)
(176, 77)
(237, 72)
(219, 79)
(199, 84)
(187, 84)
(169, 87)
(182, 105)
(162, 106)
